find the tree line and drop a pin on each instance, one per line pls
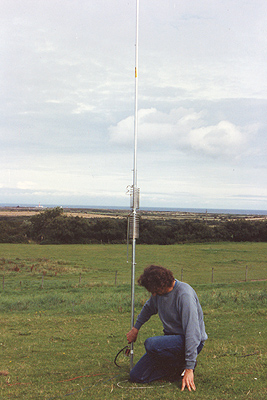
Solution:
(53, 227)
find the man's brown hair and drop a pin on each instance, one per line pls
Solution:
(156, 277)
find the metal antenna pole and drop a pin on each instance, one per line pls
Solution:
(135, 191)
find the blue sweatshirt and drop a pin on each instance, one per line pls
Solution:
(181, 314)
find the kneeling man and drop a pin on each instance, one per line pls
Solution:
(173, 355)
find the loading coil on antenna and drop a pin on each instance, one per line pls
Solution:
(133, 217)
(134, 197)
(133, 226)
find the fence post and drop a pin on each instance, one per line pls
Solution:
(212, 273)
(182, 273)
(116, 273)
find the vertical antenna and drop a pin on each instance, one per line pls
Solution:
(135, 191)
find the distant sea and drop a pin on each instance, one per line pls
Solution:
(166, 209)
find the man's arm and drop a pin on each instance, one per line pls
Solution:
(132, 335)
(190, 323)
(189, 315)
(188, 380)
(146, 312)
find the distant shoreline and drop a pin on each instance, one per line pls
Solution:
(4, 206)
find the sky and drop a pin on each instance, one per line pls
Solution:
(67, 101)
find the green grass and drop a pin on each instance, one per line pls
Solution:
(98, 263)
(59, 341)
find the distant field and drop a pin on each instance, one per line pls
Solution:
(74, 213)
(110, 213)
(65, 310)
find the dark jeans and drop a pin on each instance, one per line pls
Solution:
(164, 357)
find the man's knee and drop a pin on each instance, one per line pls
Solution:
(150, 345)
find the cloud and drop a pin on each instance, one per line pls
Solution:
(154, 126)
(223, 139)
(83, 108)
(24, 185)
(184, 130)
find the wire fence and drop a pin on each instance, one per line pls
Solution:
(115, 278)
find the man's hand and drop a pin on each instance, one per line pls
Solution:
(132, 335)
(188, 380)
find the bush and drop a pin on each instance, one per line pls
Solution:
(13, 230)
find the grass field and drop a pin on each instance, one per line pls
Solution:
(65, 310)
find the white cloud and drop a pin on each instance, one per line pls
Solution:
(184, 130)
(83, 108)
(155, 127)
(223, 139)
(24, 185)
